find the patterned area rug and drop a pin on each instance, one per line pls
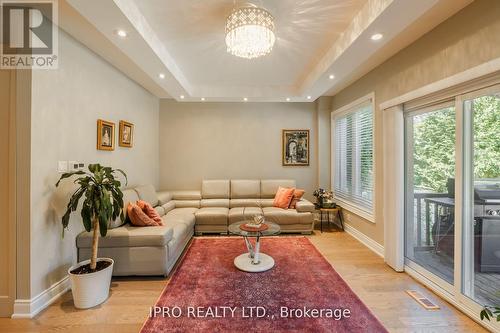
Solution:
(302, 293)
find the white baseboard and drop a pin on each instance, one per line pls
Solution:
(367, 241)
(28, 308)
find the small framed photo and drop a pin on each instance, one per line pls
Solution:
(295, 147)
(105, 135)
(126, 135)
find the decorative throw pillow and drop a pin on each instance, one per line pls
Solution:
(283, 197)
(150, 211)
(138, 217)
(297, 195)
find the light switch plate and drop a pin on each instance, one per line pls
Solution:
(62, 166)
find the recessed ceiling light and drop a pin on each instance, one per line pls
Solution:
(203, 99)
(288, 99)
(377, 37)
(121, 33)
(309, 97)
(245, 99)
(182, 96)
(331, 76)
(161, 76)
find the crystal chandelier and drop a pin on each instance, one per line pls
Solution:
(250, 32)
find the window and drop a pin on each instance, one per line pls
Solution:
(353, 156)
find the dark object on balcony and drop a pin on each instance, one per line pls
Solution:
(487, 243)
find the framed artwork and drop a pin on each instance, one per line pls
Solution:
(126, 135)
(295, 147)
(105, 135)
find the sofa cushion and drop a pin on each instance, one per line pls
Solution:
(266, 202)
(297, 195)
(268, 187)
(305, 206)
(215, 189)
(129, 195)
(283, 197)
(164, 197)
(148, 194)
(245, 189)
(168, 206)
(187, 203)
(187, 219)
(186, 195)
(150, 211)
(212, 216)
(286, 216)
(214, 203)
(244, 203)
(236, 214)
(129, 236)
(160, 210)
(183, 210)
(139, 218)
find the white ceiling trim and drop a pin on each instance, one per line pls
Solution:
(350, 55)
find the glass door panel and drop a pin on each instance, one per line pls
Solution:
(430, 189)
(481, 193)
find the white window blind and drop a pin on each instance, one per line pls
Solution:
(353, 156)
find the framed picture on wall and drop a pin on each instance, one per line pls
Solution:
(295, 147)
(105, 135)
(126, 135)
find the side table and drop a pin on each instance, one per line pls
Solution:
(337, 211)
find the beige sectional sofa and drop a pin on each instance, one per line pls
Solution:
(155, 250)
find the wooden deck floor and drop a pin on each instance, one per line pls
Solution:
(378, 286)
(486, 285)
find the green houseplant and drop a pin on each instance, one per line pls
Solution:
(90, 279)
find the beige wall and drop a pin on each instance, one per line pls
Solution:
(469, 38)
(66, 104)
(231, 140)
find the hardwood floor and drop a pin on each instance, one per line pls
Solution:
(378, 286)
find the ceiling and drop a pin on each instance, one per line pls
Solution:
(184, 40)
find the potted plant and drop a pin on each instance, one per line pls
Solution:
(90, 279)
(324, 198)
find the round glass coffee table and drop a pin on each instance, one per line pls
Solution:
(254, 261)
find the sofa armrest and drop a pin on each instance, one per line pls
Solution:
(304, 206)
(164, 197)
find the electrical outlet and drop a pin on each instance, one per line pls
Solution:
(73, 165)
(348, 217)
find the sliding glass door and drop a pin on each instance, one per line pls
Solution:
(452, 195)
(481, 196)
(430, 177)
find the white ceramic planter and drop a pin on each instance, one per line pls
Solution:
(90, 289)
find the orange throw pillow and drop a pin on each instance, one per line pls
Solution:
(283, 197)
(150, 211)
(138, 217)
(297, 195)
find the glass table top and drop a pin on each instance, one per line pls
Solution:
(273, 229)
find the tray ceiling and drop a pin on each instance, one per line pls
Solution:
(184, 40)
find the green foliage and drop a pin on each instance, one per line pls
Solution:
(486, 137)
(434, 144)
(103, 197)
(434, 149)
(490, 312)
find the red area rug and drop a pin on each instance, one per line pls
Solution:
(208, 294)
